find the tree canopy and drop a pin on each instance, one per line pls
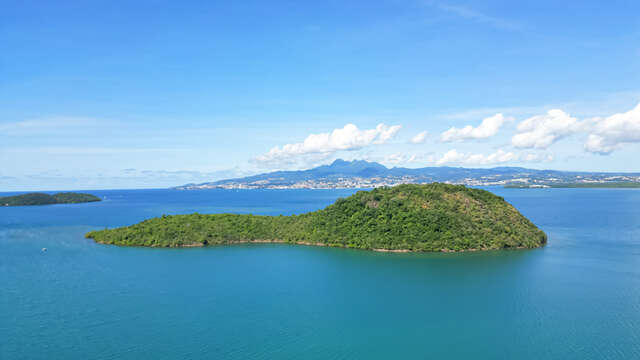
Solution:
(46, 199)
(428, 217)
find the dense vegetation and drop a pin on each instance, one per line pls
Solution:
(46, 199)
(431, 217)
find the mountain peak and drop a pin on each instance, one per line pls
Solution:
(355, 167)
(356, 163)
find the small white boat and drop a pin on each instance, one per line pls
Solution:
(44, 249)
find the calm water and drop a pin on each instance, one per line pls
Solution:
(577, 298)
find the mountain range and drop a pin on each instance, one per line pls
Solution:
(365, 174)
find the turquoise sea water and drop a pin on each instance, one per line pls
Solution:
(577, 298)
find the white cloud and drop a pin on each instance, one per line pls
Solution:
(347, 138)
(610, 133)
(488, 128)
(451, 156)
(532, 157)
(498, 157)
(419, 138)
(399, 158)
(543, 130)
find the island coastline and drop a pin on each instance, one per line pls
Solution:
(305, 243)
(39, 199)
(406, 218)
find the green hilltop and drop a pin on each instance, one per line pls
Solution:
(46, 199)
(429, 217)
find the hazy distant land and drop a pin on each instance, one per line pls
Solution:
(605, 185)
(363, 174)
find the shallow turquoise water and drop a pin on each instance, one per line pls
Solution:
(577, 298)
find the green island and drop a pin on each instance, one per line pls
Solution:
(429, 217)
(46, 199)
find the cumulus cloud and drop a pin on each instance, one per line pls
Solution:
(488, 128)
(542, 131)
(419, 138)
(610, 133)
(498, 157)
(347, 138)
(451, 156)
(399, 158)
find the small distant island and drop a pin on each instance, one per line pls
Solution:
(585, 185)
(46, 199)
(410, 217)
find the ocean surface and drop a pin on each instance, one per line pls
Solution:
(576, 298)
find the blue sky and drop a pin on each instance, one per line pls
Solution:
(121, 94)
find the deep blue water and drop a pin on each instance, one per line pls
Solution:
(577, 298)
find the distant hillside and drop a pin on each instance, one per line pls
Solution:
(364, 174)
(46, 199)
(431, 217)
(338, 169)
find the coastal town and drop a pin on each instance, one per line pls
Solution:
(356, 182)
